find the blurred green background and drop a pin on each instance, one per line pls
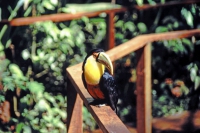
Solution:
(33, 60)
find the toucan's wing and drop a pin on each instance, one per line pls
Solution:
(108, 87)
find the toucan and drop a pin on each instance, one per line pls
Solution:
(98, 78)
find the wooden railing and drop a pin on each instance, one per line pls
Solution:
(105, 117)
(107, 120)
(60, 17)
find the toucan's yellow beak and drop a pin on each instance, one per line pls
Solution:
(103, 58)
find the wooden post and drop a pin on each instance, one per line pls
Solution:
(74, 110)
(110, 33)
(143, 84)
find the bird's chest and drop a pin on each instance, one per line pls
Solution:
(93, 71)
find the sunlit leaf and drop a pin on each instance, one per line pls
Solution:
(51, 59)
(28, 11)
(4, 64)
(8, 43)
(27, 129)
(196, 82)
(193, 74)
(185, 89)
(119, 35)
(15, 70)
(186, 41)
(188, 16)
(97, 20)
(35, 87)
(66, 32)
(161, 29)
(142, 27)
(19, 127)
(25, 54)
(2, 98)
(48, 5)
(73, 8)
(50, 98)
(1, 47)
(85, 19)
(119, 23)
(139, 2)
(43, 105)
(60, 125)
(20, 3)
(54, 2)
(130, 26)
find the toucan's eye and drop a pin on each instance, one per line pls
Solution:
(95, 55)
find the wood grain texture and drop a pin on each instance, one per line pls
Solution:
(74, 110)
(167, 4)
(60, 17)
(110, 34)
(105, 117)
(143, 85)
(140, 41)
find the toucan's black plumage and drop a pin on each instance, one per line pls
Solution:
(99, 82)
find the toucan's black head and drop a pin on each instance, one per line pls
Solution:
(96, 50)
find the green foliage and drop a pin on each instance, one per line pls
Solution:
(47, 113)
(91, 7)
(188, 16)
(89, 122)
(51, 47)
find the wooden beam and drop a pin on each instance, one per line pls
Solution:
(143, 87)
(60, 17)
(166, 4)
(105, 117)
(74, 110)
(110, 33)
(140, 41)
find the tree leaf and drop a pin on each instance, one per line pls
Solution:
(193, 74)
(48, 5)
(139, 2)
(161, 29)
(142, 27)
(19, 127)
(25, 54)
(130, 26)
(16, 71)
(35, 87)
(197, 83)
